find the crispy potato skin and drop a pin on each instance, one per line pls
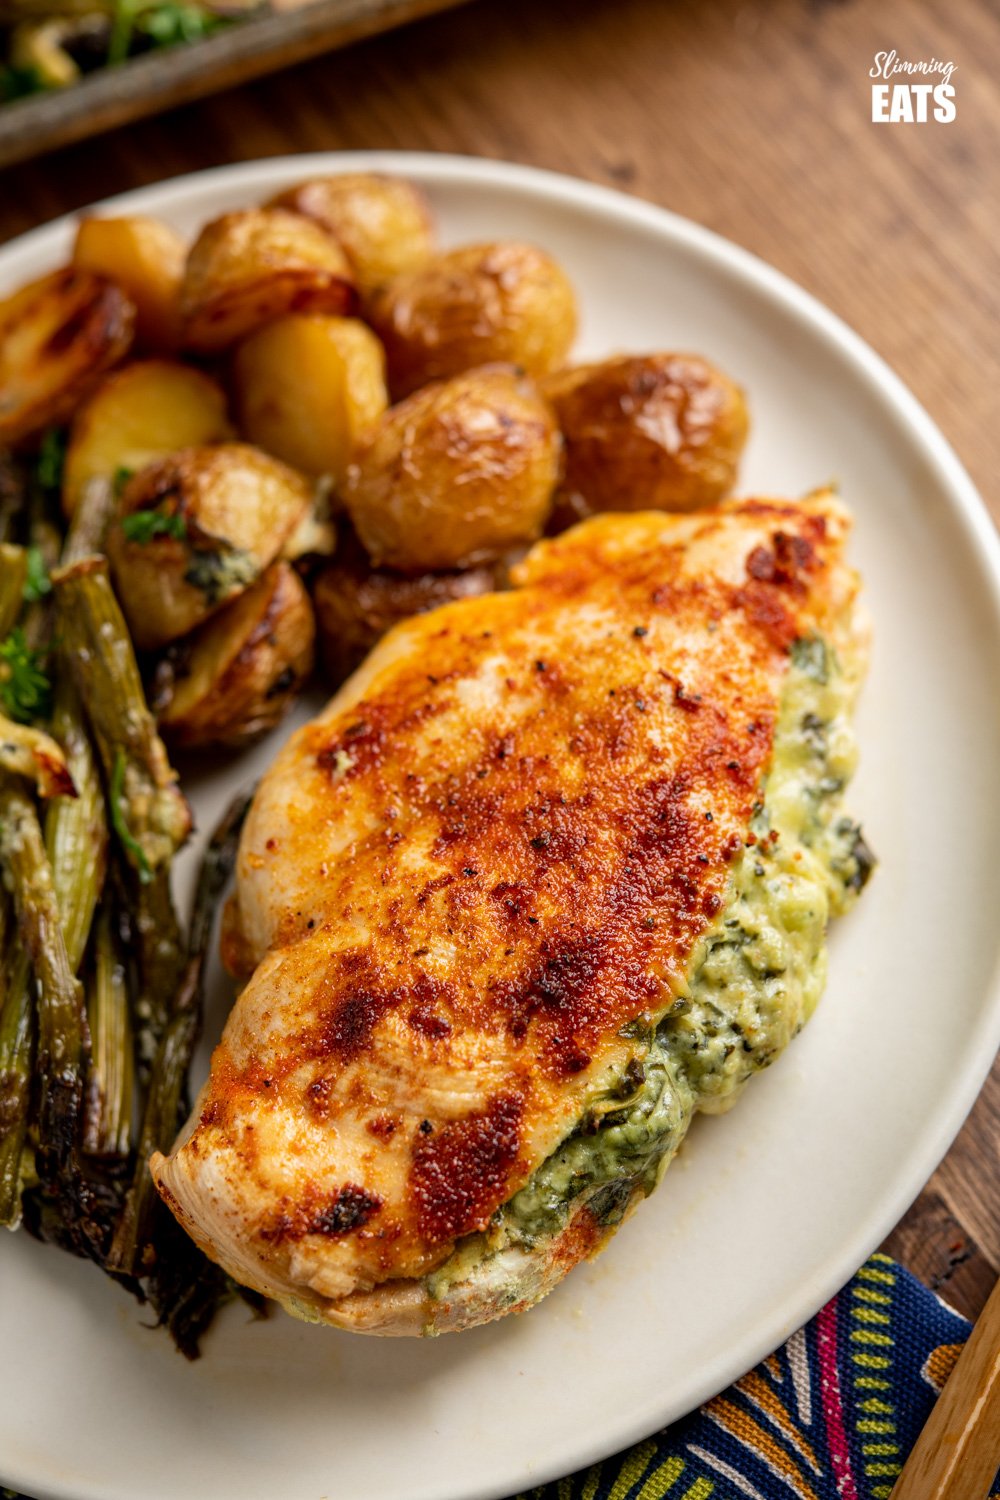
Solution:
(504, 301)
(307, 386)
(249, 267)
(457, 473)
(58, 337)
(145, 257)
(383, 223)
(238, 506)
(356, 604)
(139, 414)
(244, 666)
(646, 432)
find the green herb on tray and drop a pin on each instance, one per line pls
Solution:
(58, 49)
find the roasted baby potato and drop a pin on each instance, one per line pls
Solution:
(58, 337)
(356, 604)
(646, 432)
(139, 414)
(146, 258)
(306, 386)
(240, 672)
(196, 529)
(249, 267)
(383, 223)
(483, 303)
(455, 474)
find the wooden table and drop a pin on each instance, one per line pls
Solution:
(751, 116)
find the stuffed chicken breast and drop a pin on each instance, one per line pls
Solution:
(550, 875)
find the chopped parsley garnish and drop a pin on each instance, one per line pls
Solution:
(25, 690)
(38, 583)
(119, 822)
(143, 525)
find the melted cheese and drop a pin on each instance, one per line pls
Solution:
(755, 977)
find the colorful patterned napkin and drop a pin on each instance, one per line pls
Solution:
(830, 1416)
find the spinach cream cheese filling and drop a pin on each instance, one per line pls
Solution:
(754, 979)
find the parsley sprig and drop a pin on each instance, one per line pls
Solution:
(25, 690)
(143, 525)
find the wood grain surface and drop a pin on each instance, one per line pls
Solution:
(751, 116)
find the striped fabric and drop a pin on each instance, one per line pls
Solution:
(830, 1416)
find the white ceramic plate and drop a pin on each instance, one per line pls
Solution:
(768, 1210)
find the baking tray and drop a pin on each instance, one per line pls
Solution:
(161, 80)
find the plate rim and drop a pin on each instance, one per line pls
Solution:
(966, 507)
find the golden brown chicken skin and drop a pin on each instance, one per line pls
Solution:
(497, 846)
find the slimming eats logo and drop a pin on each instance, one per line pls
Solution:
(897, 103)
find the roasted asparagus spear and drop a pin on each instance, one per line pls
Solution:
(110, 1083)
(147, 811)
(166, 1099)
(76, 834)
(153, 819)
(16, 1047)
(61, 1023)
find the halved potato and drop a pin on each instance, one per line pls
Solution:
(145, 257)
(356, 604)
(241, 671)
(646, 432)
(457, 473)
(503, 301)
(58, 337)
(198, 528)
(249, 267)
(139, 414)
(307, 386)
(383, 223)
